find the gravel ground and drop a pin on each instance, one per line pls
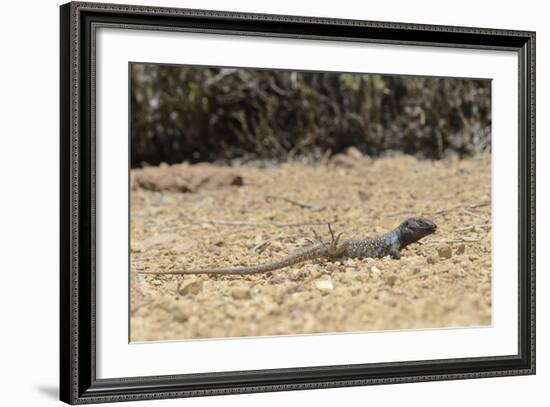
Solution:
(443, 282)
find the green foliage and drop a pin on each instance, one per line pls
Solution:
(190, 113)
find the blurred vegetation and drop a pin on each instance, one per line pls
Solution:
(192, 113)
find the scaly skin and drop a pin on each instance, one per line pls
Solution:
(390, 243)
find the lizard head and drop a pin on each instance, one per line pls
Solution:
(414, 229)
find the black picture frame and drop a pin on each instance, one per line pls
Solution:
(78, 382)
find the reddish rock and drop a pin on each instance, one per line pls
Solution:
(185, 178)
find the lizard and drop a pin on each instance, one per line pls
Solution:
(391, 243)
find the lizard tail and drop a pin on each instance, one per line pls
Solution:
(262, 268)
(299, 256)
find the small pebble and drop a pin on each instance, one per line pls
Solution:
(445, 252)
(390, 280)
(387, 299)
(182, 312)
(324, 285)
(343, 161)
(354, 153)
(277, 279)
(172, 286)
(375, 270)
(297, 275)
(240, 293)
(432, 259)
(461, 249)
(363, 196)
(190, 287)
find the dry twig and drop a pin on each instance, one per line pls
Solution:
(231, 222)
(457, 240)
(440, 211)
(314, 207)
(470, 227)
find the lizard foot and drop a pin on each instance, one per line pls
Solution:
(318, 238)
(332, 247)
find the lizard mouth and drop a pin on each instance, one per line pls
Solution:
(427, 227)
(432, 228)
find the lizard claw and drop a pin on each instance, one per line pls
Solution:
(336, 238)
(318, 238)
(330, 230)
(334, 242)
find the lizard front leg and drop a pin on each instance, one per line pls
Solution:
(394, 252)
(333, 249)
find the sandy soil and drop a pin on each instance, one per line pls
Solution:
(443, 282)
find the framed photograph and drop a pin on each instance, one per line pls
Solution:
(255, 203)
